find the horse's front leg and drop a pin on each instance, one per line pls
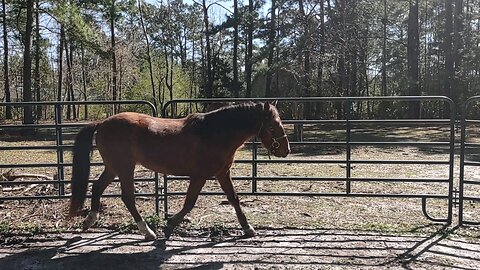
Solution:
(194, 188)
(225, 181)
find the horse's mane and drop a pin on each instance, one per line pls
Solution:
(244, 117)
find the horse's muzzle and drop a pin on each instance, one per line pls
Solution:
(282, 152)
(286, 153)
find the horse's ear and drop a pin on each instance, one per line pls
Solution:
(266, 106)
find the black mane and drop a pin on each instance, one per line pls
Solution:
(244, 117)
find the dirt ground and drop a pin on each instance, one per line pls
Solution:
(225, 249)
(306, 232)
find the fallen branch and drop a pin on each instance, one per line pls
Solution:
(32, 175)
(11, 176)
(23, 189)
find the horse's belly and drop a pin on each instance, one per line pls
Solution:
(186, 163)
(180, 154)
(181, 169)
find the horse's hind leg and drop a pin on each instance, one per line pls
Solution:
(98, 188)
(128, 198)
(225, 181)
(194, 188)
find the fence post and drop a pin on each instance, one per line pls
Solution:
(348, 146)
(59, 145)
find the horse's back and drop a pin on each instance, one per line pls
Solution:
(159, 144)
(125, 138)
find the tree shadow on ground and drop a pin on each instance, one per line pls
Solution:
(105, 251)
(293, 248)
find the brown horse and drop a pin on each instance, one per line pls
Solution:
(201, 146)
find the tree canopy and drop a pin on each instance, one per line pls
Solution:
(166, 49)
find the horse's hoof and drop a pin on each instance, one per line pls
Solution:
(167, 231)
(150, 237)
(90, 220)
(146, 231)
(250, 231)
(149, 234)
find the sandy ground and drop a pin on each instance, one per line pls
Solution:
(362, 233)
(270, 249)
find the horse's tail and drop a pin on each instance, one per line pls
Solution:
(81, 167)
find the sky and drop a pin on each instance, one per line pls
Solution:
(216, 12)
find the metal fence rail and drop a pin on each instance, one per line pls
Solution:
(467, 152)
(349, 124)
(58, 128)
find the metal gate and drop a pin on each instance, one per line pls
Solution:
(351, 124)
(346, 120)
(54, 134)
(469, 187)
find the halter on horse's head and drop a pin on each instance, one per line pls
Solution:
(271, 131)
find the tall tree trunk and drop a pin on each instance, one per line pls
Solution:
(183, 40)
(383, 88)
(27, 64)
(6, 75)
(321, 57)
(236, 84)
(84, 83)
(458, 28)
(60, 63)
(365, 69)
(69, 79)
(120, 77)
(384, 50)
(169, 70)
(322, 50)
(36, 73)
(113, 54)
(208, 91)
(350, 55)
(249, 51)
(193, 76)
(71, 109)
(341, 61)
(149, 57)
(161, 86)
(426, 64)
(449, 54)
(412, 58)
(305, 47)
(203, 61)
(171, 73)
(271, 48)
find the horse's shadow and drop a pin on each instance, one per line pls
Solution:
(272, 249)
(100, 252)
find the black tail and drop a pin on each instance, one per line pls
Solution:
(81, 167)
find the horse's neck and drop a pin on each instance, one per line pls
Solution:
(236, 142)
(236, 138)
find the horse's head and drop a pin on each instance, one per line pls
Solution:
(271, 132)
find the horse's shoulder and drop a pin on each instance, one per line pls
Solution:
(193, 118)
